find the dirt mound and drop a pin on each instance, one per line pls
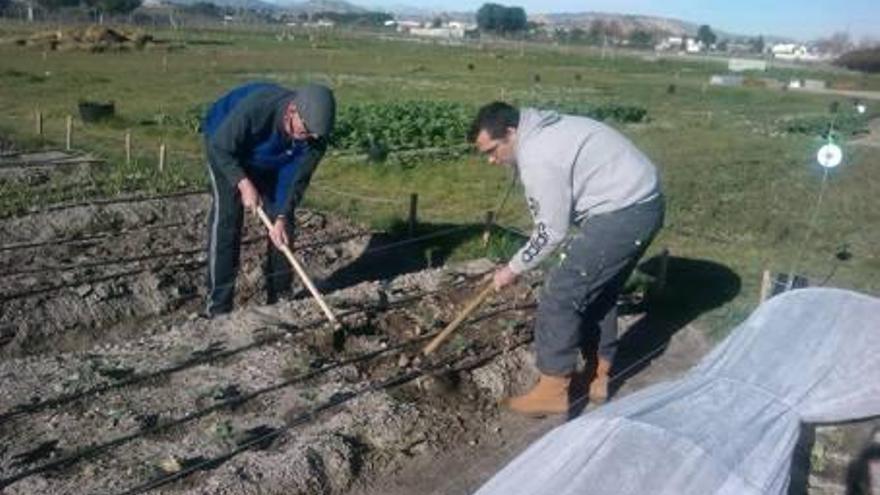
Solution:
(92, 38)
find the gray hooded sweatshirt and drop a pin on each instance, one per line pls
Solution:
(574, 167)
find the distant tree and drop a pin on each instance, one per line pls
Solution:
(4, 4)
(706, 36)
(500, 19)
(577, 35)
(437, 22)
(722, 45)
(114, 6)
(684, 43)
(641, 39)
(57, 4)
(758, 44)
(206, 9)
(837, 43)
(862, 60)
(596, 33)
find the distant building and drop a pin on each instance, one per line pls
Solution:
(677, 43)
(746, 64)
(450, 30)
(795, 51)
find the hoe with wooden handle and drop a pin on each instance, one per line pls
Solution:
(302, 273)
(432, 346)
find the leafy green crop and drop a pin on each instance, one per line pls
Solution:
(401, 126)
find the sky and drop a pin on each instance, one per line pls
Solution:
(799, 19)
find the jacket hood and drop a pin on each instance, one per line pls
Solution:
(317, 108)
(532, 120)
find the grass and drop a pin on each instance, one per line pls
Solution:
(740, 191)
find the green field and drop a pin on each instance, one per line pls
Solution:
(740, 190)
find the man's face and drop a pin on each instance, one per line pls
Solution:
(294, 125)
(501, 151)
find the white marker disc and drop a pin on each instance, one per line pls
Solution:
(830, 155)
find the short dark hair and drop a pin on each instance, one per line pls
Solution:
(494, 118)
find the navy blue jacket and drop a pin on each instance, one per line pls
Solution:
(244, 137)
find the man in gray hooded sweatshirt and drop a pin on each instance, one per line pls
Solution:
(263, 143)
(579, 173)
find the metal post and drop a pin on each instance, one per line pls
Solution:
(413, 213)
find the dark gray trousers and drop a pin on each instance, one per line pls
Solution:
(579, 298)
(224, 248)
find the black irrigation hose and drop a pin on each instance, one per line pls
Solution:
(93, 237)
(186, 265)
(171, 254)
(92, 450)
(121, 200)
(307, 416)
(204, 358)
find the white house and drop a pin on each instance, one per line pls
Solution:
(673, 43)
(794, 51)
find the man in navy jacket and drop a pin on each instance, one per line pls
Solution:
(263, 143)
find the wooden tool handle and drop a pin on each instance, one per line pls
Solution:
(299, 271)
(432, 346)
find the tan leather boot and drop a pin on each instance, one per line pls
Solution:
(599, 383)
(549, 396)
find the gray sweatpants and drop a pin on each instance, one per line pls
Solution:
(579, 298)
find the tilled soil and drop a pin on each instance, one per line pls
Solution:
(266, 400)
(68, 274)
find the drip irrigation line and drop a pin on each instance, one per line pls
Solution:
(121, 200)
(209, 357)
(103, 235)
(313, 413)
(157, 256)
(95, 449)
(186, 265)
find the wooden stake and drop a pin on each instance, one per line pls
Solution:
(482, 296)
(413, 213)
(487, 228)
(765, 286)
(162, 157)
(68, 141)
(38, 116)
(664, 269)
(165, 63)
(302, 273)
(128, 148)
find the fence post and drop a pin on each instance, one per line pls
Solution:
(766, 283)
(68, 141)
(162, 157)
(38, 117)
(128, 147)
(487, 228)
(413, 213)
